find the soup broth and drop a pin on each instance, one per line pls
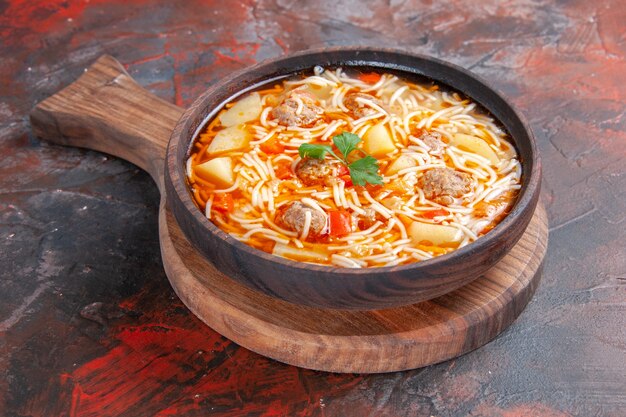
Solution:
(354, 169)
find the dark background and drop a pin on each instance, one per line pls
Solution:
(89, 325)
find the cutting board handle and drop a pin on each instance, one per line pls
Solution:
(106, 110)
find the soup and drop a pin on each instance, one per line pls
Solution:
(354, 169)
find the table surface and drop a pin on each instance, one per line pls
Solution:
(89, 324)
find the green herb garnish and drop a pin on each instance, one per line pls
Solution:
(362, 170)
(315, 151)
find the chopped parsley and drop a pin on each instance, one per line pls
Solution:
(362, 171)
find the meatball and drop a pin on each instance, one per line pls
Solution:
(434, 142)
(358, 109)
(291, 113)
(319, 171)
(443, 185)
(293, 216)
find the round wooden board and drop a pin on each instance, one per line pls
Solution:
(357, 341)
(99, 111)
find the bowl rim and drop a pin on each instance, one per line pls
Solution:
(527, 197)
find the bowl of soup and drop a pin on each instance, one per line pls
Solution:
(352, 178)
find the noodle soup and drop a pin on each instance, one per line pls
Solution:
(354, 170)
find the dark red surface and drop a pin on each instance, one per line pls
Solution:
(89, 325)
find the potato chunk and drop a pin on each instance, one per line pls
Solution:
(476, 145)
(230, 139)
(403, 162)
(320, 92)
(245, 110)
(437, 234)
(218, 171)
(377, 141)
(300, 254)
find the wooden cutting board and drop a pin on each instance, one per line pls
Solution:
(106, 110)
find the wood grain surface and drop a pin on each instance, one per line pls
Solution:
(84, 114)
(370, 341)
(106, 110)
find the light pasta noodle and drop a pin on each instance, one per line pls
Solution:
(354, 169)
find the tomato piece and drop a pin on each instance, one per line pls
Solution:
(223, 202)
(344, 174)
(343, 170)
(272, 146)
(369, 77)
(374, 189)
(434, 213)
(339, 223)
(283, 171)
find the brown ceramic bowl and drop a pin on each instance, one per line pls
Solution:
(344, 288)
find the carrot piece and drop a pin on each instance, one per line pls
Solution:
(369, 77)
(399, 187)
(434, 213)
(204, 194)
(342, 170)
(223, 202)
(339, 223)
(374, 188)
(272, 146)
(283, 171)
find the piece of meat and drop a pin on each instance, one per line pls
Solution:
(292, 217)
(494, 210)
(291, 113)
(443, 185)
(357, 108)
(368, 219)
(434, 142)
(319, 171)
